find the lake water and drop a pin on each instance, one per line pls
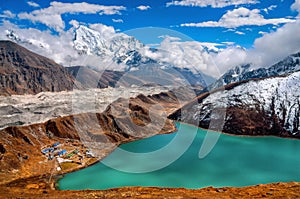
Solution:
(234, 161)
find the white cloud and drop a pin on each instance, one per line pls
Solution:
(106, 31)
(7, 14)
(51, 16)
(229, 30)
(197, 56)
(169, 38)
(212, 3)
(296, 5)
(262, 32)
(275, 46)
(212, 46)
(271, 7)
(228, 43)
(118, 20)
(57, 47)
(239, 32)
(142, 7)
(51, 20)
(33, 4)
(229, 57)
(240, 17)
(74, 23)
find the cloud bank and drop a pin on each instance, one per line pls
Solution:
(211, 3)
(52, 15)
(240, 17)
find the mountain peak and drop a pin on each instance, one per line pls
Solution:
(110, 46)
(103, 43)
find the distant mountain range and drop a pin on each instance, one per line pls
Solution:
(25, 72)
(244, 72)
(90, 78)
(124, 52)
(129, 52)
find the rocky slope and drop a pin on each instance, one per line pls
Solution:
(22, 71)
(244, 72)
(257, 107)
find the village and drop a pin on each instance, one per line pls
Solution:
(67, 156)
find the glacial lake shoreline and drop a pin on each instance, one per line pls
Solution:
(59, 187)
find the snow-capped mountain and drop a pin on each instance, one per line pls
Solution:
(126, 50)
(27, 42)
(244, 72)
(120, 48)
(12, 35)
(269, 106)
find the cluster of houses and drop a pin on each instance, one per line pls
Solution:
(56, 151)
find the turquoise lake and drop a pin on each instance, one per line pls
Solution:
(233, 161)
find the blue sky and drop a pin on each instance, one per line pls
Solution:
(167, 14)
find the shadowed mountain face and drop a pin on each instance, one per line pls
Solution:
(24, 72)
(146, 75)
(90, 78)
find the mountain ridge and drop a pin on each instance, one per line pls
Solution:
(286, 66)
(109, 50)
(267, 106)
(23, 71)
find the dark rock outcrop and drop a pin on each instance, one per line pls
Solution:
(24, 72)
